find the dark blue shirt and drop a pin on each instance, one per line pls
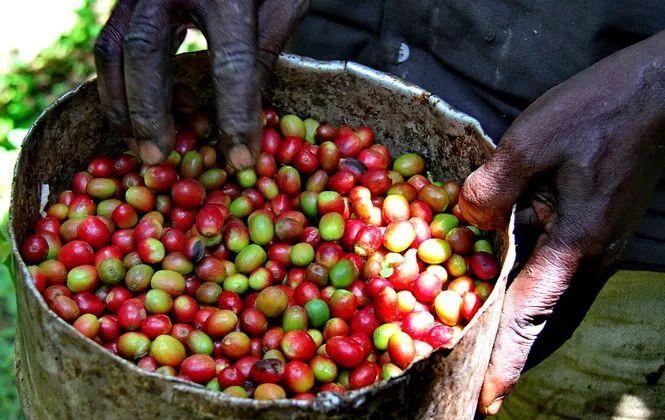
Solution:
(489, 58)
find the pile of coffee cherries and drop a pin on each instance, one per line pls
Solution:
(325, 267)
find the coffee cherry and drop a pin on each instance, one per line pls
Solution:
(321, 268)
(409, 164)
(484, 266)
(272, 301)
(34, 249)
(268, 392)
(167, 351)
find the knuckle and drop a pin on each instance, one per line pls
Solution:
(108, 45)
(265, 61)
(513, 145)
(613, 250)
(523, 325)
(562, 256)
(509, 355)
(483, 203)
(117, 117)
(144, 122)
(237, 126)
(519, 156)
(471, 190)
(543, 280)
(150, 123)
(575, 234)
(270, 44)
(144, 38)
(524, 330)
(233, 61)
(144, 125)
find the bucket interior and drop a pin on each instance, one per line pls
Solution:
(404, 118)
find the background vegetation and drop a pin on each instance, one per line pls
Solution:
(26, 88)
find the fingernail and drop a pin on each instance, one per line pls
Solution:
(493, 408)
(240, 157)
(132, 144)
(150, 153)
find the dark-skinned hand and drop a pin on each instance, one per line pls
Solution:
(133, 55)
(586, 157)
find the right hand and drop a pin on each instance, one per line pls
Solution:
(132, 55)
(587, 155)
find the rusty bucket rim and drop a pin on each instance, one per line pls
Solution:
(324, 402)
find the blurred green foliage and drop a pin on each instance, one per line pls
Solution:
(9, 403)
(27, 88)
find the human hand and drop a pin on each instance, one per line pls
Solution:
(133, 51)
(587, 155)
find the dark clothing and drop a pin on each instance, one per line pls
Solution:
(488, 58)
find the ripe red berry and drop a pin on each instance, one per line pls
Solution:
(342, 182)
(76, 253)
(160, 178)
(199, 368)
(209, 220)
(344, 351)
(288, 149)
(188, 193)
(298, 345)
(349, 144)
(131, 314)
(93, 231)
(298, 376)
(34, 249)
(267, 371)
(376, 180)
(373, 159)
(271, 142)
(306, 162)
(484, 266)
(363, 375)
(124, 216)
(266, 165)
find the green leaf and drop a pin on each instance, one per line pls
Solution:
(5, 250)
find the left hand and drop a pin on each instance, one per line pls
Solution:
(133, 57)
(592, 148)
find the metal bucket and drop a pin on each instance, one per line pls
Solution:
(61, 374)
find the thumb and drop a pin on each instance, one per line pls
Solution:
(488, 194)
(528, 302)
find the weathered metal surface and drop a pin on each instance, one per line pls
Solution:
(60, 374)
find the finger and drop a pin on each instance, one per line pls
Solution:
(108, 60)
(528, 302)
(147, 47)
(527, 218)
(489, 193)
(570, 309)
(230, 28)
(277, 19)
